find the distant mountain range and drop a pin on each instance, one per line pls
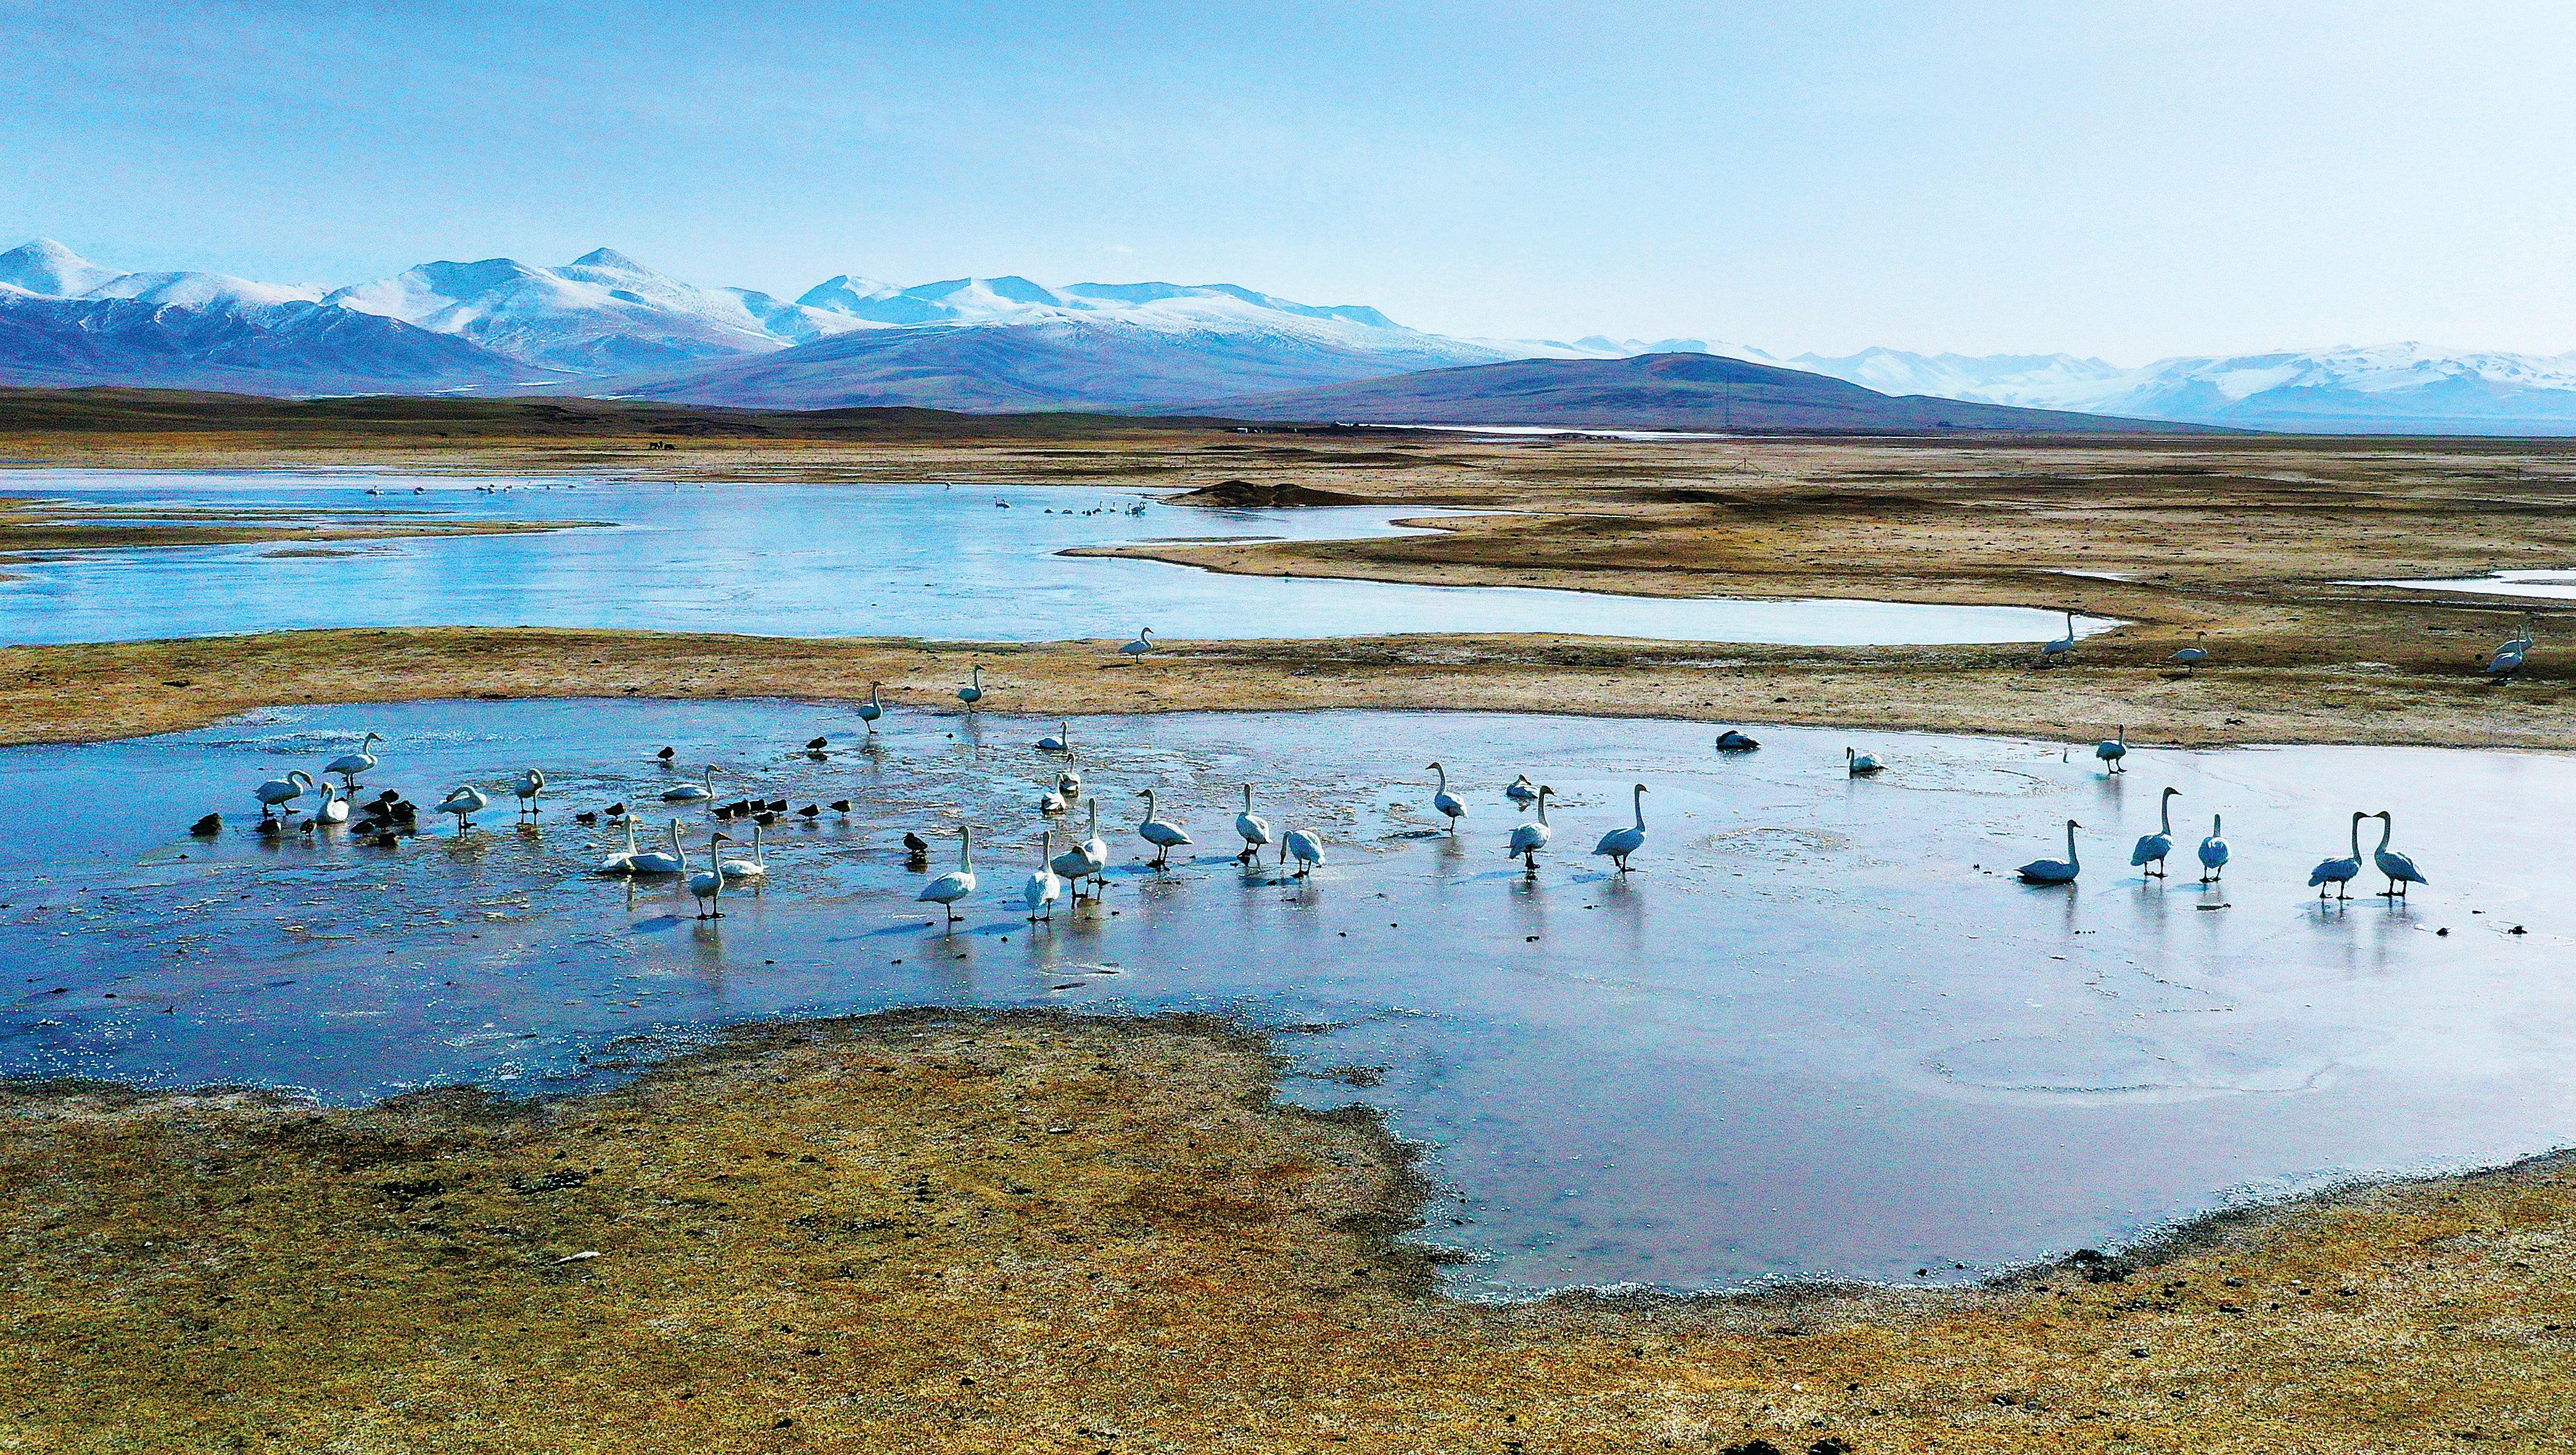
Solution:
(605, 325)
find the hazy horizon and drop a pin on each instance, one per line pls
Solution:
(2030, 179)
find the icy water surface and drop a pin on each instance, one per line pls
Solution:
(1816, 1032)
(2551, 585)
(826, 560)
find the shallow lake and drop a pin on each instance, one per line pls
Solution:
(1819, 1031)
(909, 560)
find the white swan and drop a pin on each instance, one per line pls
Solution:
(654, 861)
(1144, 642)
(2064, 646)
(2213, 853)
(1051, 802)
(2112, 750)
(1059, 741)
(957, 883)
(1731, 741)
(278, 792)
(2399, 869)
(1307, 849)
(1521, 791)
(1618, 844)
(2153, 847)
(2195, 654)
(465, 802)
(871, 710)
(1859, 764)
(1069, 783)
(2340, 872)
(1254, 829)
(1527, 839)
(1165, 837)
(334, 809)
(527, 786)
(623, 861)
(692, 792)
(1043, 888)
(1444, 800)
(2055, 871)
(1088, 859)
(708, 883)
(755, 867)
(973, 691)
(350, 765)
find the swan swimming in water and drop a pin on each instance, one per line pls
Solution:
(2399, 869)
(334, 809)
(2213, 853)
(623, 861)
(755, 867)
(1527, 839)
(1059, 741)
(1445, 801)
(2340, 872)
(1859, 764)
(1165, 837)
(2055, 871)
(692, 792)
(1731, 741)
(2153, 847)
(1618, 844)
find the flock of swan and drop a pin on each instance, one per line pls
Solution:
(1085, 860)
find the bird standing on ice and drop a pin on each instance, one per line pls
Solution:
(1618, 844)
(1254, 828)
(1527, 839)
(2112, 750)
(2153, 847)
(1165, 837)
(1445, 801)
(2213, 853)
(957, 883)
(2399, 869)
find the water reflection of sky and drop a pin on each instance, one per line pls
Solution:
(1817, 1032)
(825, 560)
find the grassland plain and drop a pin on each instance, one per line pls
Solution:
(977, 1231)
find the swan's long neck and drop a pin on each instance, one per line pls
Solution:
(1638, 798)
(1247, 798)
(758, 855)
(1095, 817)
(2071, 860)
(1046, 846)
(2356, 834)
(1444, 776)
(2387, 830)
(675, 836)
(631, 845)
(872, 697)
(966, 848)
(2164, 819)
(1542, 805)
(1149, 805)
(2214, 821)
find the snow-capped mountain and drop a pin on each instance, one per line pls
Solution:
(2394, 388)
(47, 269)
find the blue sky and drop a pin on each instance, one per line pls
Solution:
(2130, 180)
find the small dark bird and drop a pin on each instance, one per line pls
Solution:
(724, 813)
(764, 818)
(818, 743)
(270, 828)
(405, 810)
(839, 805)
(388, 796)
(809, 812)
(776, 805)
(387, 839)
(207, 827)
(615, 810)
(667, 754)
(585, 817)
(915, 844)
(738, 808)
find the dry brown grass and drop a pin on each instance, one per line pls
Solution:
(999, 1231)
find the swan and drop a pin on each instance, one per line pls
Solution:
(1521, 791)
(278, 792)
(2055, 871)
(1306, 848)
(2112, 750)
(957, 883)
(1069, 783)
(708, 883)
(2063, 647)
(1527, 839)
(334, 809)
(871, 710)
(465, 802)
(1059, 741)
(2340, 872)
(350, 765)
(1043, 888)
(2213, 854)
(1446, 801)
(2195, 654)
(755, 867)
(973, 691)
(1255, 829)
(1088, 859)
(1860, 765)
(2399, 869)
(1618, 844)
(2507, 660)
(1165, 837)
(1144, 642)
(623, 861)
(1052, 802)
(2153, 847)
(692, 792)
(528, 785)
(1731, 741)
